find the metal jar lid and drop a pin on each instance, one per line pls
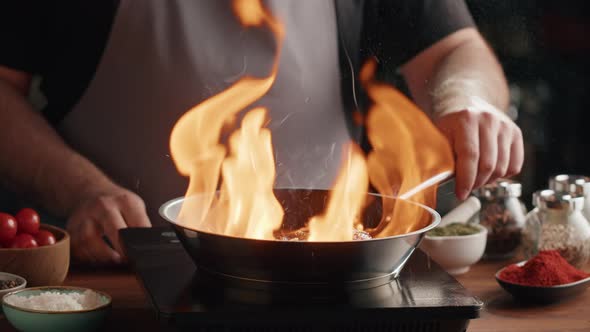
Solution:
(551, 200)
(500, 188)
(577, 185)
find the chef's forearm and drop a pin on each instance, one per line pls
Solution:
(455, 73)
(469, 71)
(36, 162)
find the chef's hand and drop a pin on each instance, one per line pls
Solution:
(104, 214)
(487, 146)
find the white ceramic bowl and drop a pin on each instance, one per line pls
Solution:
(456, 254)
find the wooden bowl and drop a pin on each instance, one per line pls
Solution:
(41, 266)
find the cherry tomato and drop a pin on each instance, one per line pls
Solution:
(44, 238)
(8, 228)
(24, 240)
(28, 221)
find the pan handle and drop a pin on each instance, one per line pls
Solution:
(435, 180)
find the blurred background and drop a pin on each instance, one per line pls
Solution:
(544, 47)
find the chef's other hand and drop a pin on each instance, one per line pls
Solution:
(101, 215)
(487, 146)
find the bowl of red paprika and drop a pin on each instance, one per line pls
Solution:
(545, 278)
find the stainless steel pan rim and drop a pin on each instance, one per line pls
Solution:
(260, 264)
(436, 218)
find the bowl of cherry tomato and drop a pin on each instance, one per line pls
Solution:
(38, 252)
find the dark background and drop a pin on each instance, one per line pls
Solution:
(544, 47)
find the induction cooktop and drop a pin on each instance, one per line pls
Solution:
(423, 299)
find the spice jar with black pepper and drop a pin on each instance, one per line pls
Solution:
(557, 223)
(503, 214)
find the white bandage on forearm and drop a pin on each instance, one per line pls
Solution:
(458, 94)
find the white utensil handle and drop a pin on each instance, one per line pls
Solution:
(463, 212)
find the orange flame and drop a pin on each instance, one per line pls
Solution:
(407, 151)
(248, 205)
(345, 203)
(194, 142)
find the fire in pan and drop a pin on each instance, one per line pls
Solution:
(292, 260)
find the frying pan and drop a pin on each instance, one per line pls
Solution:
(349, 264)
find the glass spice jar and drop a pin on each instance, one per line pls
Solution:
(504, 215)
(557, 223)
(577, 185)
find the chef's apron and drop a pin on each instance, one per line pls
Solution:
(164, 57)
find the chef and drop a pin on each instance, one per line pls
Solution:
(117, 75)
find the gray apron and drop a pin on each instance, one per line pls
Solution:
(163, 57)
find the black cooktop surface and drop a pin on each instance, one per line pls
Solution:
(424, 297)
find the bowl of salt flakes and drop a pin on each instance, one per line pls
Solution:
(56, 309)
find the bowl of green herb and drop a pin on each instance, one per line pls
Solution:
(455, 246)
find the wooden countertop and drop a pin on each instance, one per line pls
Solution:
(132, 311)
(502, 313)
